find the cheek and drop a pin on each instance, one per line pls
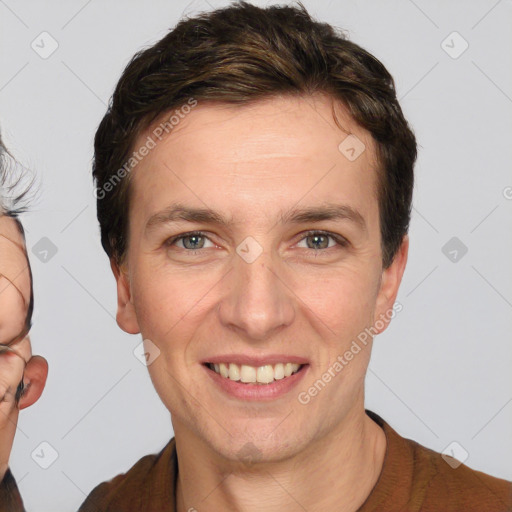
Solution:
(166, 302)
(343, 300)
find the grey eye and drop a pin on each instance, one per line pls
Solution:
(319, 241)
(193, 241)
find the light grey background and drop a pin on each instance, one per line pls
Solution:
(440, 373)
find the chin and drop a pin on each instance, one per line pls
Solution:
(253, 443)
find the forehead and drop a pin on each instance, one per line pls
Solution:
(13, 259)
(9, 228)
(271, 152)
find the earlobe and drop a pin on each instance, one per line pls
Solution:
(34, 380)
(126, 317)
(390, 283)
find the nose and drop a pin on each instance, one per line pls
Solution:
(259, 302)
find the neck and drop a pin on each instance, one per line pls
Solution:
(337, 472)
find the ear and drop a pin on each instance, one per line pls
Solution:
(126, 317)
(388, 290)
(34, 380)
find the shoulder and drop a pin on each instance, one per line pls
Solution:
(416, 478)
(148, 481)
(10, 498)
(458, 486)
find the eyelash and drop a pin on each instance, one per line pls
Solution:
(340, 241)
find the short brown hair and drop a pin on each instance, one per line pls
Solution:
(240, 54)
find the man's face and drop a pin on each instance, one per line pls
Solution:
(260, 289)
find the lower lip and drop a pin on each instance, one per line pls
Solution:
(257, 392)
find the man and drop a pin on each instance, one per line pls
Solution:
(22, 376)
(254, 179)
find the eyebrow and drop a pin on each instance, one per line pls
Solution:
(178, 212)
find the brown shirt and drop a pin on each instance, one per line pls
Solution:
(413, 479)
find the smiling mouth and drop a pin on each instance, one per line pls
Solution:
(266, 374)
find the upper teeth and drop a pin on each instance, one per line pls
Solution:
(261, 374)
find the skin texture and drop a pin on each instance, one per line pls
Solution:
(18, 363)
(14, 281)
(253, 163)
